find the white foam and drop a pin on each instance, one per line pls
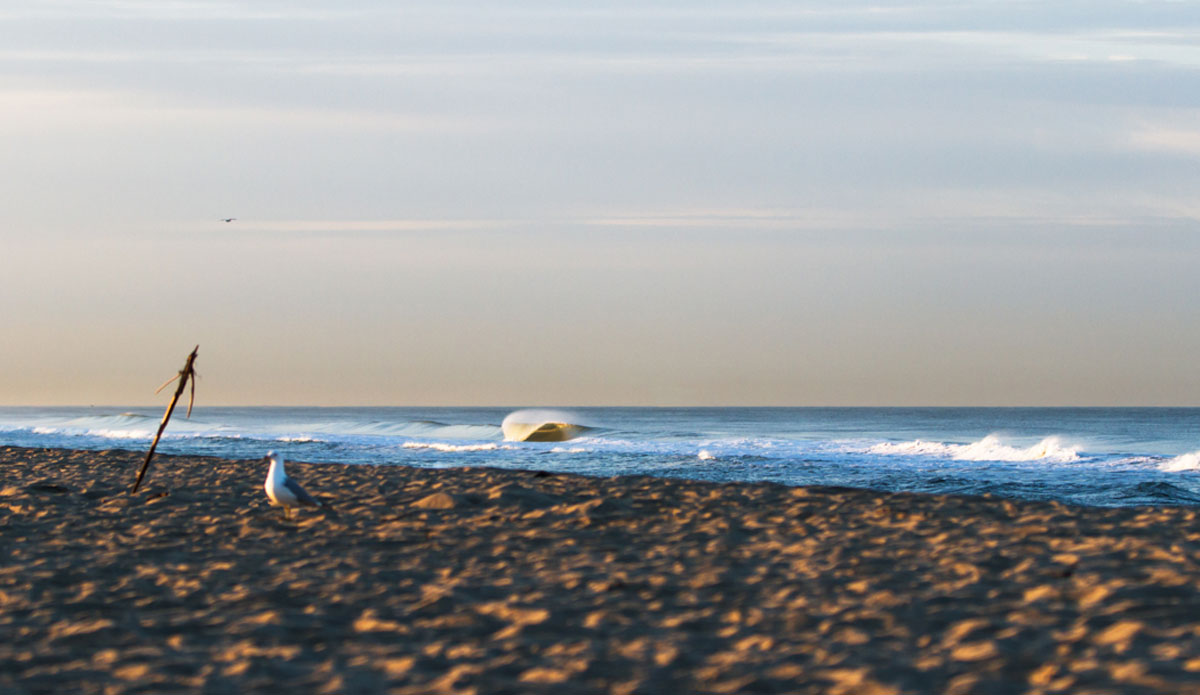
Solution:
(990, 448)
(448, 448)
(1185, 462)
(120, 427)
(705, 455)
(121, 434)
(564, 450)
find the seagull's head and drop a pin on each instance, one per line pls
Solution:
(272, 457)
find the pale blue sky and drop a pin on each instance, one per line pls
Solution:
(535, 203)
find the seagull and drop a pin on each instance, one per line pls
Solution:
(228, 219)
(283, 490)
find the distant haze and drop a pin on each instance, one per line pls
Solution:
(617, 203)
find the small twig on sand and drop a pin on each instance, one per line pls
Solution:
(188, 372)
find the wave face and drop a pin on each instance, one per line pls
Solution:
(541, 426)
(1116, 457)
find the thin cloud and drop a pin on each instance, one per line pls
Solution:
(376, 226)
(1176, 141)
(180, 10)
(40, 109)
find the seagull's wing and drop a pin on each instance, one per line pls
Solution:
(301, 496)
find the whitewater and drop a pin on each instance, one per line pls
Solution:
(1094, 456)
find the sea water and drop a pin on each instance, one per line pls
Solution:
(1095, 456)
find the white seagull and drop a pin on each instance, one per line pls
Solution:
(283, 490)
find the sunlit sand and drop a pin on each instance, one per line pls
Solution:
(481, 580)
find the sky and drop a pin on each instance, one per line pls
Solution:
(601, 203)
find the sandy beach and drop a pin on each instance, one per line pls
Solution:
(495, 581)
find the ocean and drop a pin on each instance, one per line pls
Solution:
(1092, 456)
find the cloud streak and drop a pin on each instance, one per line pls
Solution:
(950, 200)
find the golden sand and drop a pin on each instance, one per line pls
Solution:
(490, 581)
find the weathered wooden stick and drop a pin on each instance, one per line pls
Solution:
(165, 383)
(192, 395)
(188, 372)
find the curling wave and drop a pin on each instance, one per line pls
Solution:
(541, 426)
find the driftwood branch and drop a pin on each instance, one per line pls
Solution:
(192, 395)
(187, 373)
(165, 383)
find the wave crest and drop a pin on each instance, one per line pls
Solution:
(541, 426)
(1185, 462)
(990, 448)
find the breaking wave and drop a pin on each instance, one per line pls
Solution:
(541, 426)
(990, 448)
(1186, 462)
(132, 426)
(119, 426)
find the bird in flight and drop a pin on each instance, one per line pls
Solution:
(228, 219)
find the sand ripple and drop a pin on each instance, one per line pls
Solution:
(489, 581)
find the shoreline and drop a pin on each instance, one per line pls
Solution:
(494, 581)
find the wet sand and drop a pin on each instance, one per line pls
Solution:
(491, 581)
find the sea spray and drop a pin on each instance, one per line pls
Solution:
(1186, 462)
(990, 448)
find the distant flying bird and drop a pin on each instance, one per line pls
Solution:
(284, 491)
(228, 219)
